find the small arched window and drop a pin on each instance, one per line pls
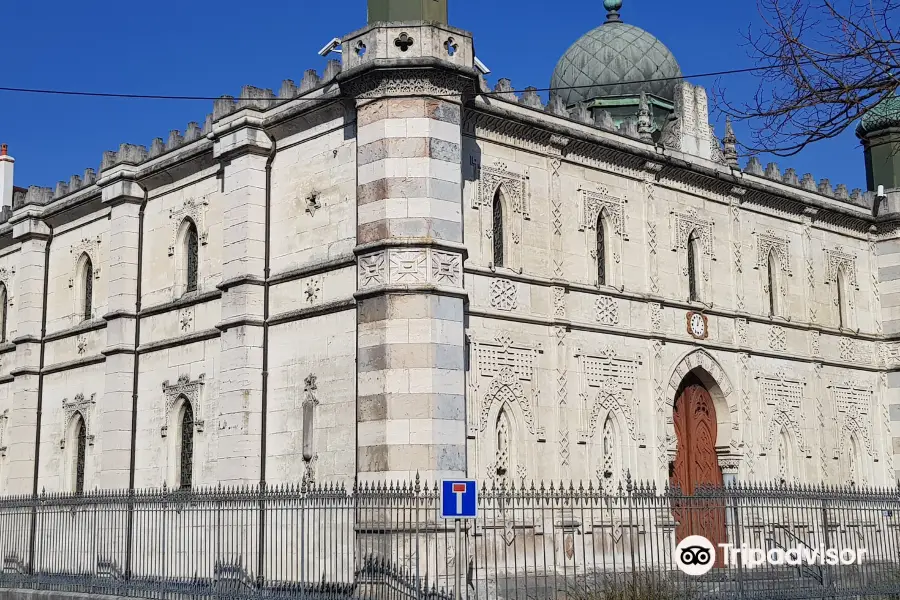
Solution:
(608, 465)
(502, 456)
(4, 305)
(80, 453)
(783, 458)
(186, 449)
(601, 250)
(192, 258)
(87, 276)
(773, 285)
(497, 231)
(842, 299)
(692, 256)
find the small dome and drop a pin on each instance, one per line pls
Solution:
(616, 58)
(883, 115)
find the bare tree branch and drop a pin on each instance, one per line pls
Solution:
(823, 65)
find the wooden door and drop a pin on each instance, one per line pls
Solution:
(696, 464)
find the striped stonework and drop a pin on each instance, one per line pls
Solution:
(888, 258)
(410, 366)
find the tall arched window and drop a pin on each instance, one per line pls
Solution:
(4, 304)
(692, 255)
(186, 453)
(502, 457)
(601, 250)
(192, 258)
(497, 232)
(773, 285)
(87, 276)
(79, 454)
(608, 467)
(842, 298)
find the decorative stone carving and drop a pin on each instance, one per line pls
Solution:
(87, 246)
(559, 302)
(190, 390)
(4, 424)
(607, 309)
(853, 402)
(836, 260)
(777, 338)
(508, 369)
(371, 270)
(308, 409)
(196, 211)
(407, 266)
(555, 200)
(655, 316)
(740, 327)
(312, 203)
(689, 221)
(81, 344)
(404, 266)
(607, 384)
(784, 397)
(410, 82)
(446, 268)
(504, 295)
(847, 349)
(313, 290)
(186, 319)
(769, 242)
(814, 343)
(601, 200)
(84, 407)
(515, 187)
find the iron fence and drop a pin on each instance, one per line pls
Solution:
(388, 542)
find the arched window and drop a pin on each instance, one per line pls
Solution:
(4, 304)
(87, 276)
(497, 232)
(601, 250)
(502, 456)
(186, 454)
(608, 470)
(192, 258)
(692, 256)
(773, 285)
(79, 454)
(842, 298)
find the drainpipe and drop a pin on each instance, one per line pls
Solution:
(129, 539)
(40, 405)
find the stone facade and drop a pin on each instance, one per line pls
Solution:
(351, 317)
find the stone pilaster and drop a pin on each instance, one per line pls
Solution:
(113, 440)
(887, 251)
(33, 235)
(243, 153)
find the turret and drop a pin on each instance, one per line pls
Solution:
(879, 132)
(434, 11)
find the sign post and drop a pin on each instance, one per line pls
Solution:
(459, 500)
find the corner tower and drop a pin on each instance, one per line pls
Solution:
(408, 81)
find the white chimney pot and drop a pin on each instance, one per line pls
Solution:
(6, 176)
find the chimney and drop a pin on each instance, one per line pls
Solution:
(6, 177)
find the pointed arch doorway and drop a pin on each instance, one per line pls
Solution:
(696, 464)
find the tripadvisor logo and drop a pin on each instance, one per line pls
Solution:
(695, 555)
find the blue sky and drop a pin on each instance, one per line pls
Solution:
(205, 48)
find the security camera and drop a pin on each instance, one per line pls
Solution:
(481, 67)
(332, 46)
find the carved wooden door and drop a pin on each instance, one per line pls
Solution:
(696, 464)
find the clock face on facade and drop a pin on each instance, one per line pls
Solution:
(696, 325)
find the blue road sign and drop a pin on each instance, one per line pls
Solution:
(459, 499)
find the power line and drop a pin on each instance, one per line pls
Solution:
(491, 93)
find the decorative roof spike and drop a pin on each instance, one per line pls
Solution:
(192, 133)
(61, 189)
(157, 147)
(825, 187)
(841, 193)
(754, 167)
(332, 70)
(556, 106)
(530, 98)
(74, 183)
(773, 172)
(581, 114)
(309, 81)
(612, 10)
(504, 90)
(90, 177)
(207, 125)
(175, 140)
(808, 183)
(288, 89)
(222, 107)
(790, 177)
(605, 121)
(729, 145)
(629, 128)
(254, 97)
(644, 122)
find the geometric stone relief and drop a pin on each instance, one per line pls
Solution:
(503, 372)
(81, 344)
(84, 407)
(613, 209)
(741, 331)
(777, 338)
(607, 386)
(814, 343)
(406, 266)
(559, 302)
(186, 319)
(769, 242)
(655, 316)
(852, 402)
(783, 398)
(505, 295)
(614, 236)
(191, 390)
(836, 260)
(515, 186)
(312, 289)
(607, 310)
(196, 211)
(690, 221)
(514, 193)
(848, 349)
(308, 409)
(89, 247)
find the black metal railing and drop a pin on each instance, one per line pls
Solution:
(387, 541)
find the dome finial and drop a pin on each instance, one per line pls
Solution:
(612, 7)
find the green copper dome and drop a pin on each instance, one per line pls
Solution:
(614, 60)
(883, 115)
